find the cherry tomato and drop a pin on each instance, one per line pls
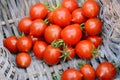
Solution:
(84, 49)
(23, 60)
(91, 8)
(50, 17)
(24, 25)
(51, 55)
(38, 11)
(71, 5)
(88, 72)
(39, 49)
(11, 44)
(78, 17)
(96, 40)
(106, 71)
(37, 28)
(62, 17)
(71, 74)
(52, 33)
(71, 34)
(24, 44)
(93, 26)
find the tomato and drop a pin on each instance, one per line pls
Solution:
(84, 49)
(88, 72)
(71, 34)
(71, 74)
(71, 5)
(39, 49)
(93, 26)
(23, 60)
(11, 44)
(50, 17)
(96, 40)
(91, 8)
(37, 28)
(78, 17)
(51, 55)
(38, 11)
(62, 17)
(24, 25)
(52, 33)
(24, 44)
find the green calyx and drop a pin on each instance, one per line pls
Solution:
(95, 52)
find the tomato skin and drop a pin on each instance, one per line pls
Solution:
(39, 49)
(93, 26)
(62, 17)
(37, 28)
(51, 55)
(84, 49)
(71, 74)
(71, 5)
(38, 11)
(106, 71)
(50, 17)
(24, 25)
(91, 8)
(10, 43)
(78, 17)
(52, 33)
(24, 44)
(23, 60)
(88, 72)
(71, 34)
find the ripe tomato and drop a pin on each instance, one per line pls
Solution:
(23, 60)
(93, 26)
(39, 49)
(91, 8)
(50, 17)
(71, 34)
(62, 17)
(88, 72)
(78, 17)
(71, 5)
(96, 40)
(11, 44)
(37, 28)
(24, 44)
(106, 71)
(24, 25)
(38, 11)
(51, 55)
(84, 49)
(71, 74)
(52, 33)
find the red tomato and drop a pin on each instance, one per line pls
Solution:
(24, 25)
(62, 17)
(23, 60)
(37, 28)
(39, 49)
(71, 34)
(88, 72)
(84, 49)
(91, 8)
(78, 17)
(52, 33)
(50, 17)
(71, 5)
(93, 26)
(11, 44)
(71, 74)
(96, 40)
(51, 55)
(38, 11)
(24, 44)
(106, 71)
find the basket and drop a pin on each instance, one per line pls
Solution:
(11, 11)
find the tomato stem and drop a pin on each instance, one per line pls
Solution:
(95, 52)
(82, 63)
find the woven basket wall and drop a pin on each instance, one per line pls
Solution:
(11, 11)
